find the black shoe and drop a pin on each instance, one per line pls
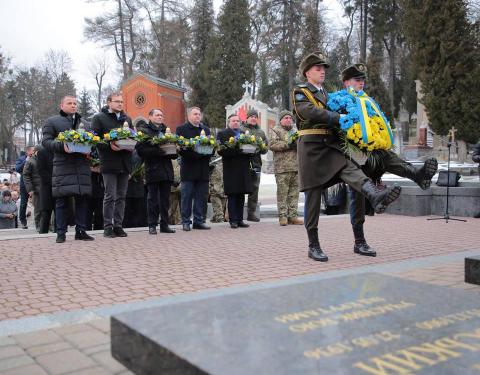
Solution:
(253, 218)
(186, 227)
(108, 232)
(24, 226)
(166, 229)
(233, 225)
(242, 224)
(200, 226)
(60, 238)
(83, 236)
(477, 216)
(316, 253)
(119, 232)
(423, 176)
(362, 248)
(380, 199)
(152, 230)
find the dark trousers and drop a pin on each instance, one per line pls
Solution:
(45, 218)
(114, 200)
(253, 196)
(95, 214)
(235, 207)
(61, 213)
(351, 175)
(135, 213)
(158, 202)
(22, 214)
(193, 192)
(356, 208)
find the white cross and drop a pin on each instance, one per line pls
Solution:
(247, 86)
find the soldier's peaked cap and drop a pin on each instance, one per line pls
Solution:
(354, 71)
(315, 58)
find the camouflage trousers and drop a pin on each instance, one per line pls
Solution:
(219, 203)
(287, 194)
(174, 217)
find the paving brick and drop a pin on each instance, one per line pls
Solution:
(105, 358)
(10, 351)
(65, 361)
(36, 351)
(6, 341)
(92, 371)
(102, 325)
(87, 338)
(96, 349)
(26, 370)
(28, 340)
(13, 362)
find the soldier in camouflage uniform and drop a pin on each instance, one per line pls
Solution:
(217, 194)
(174, 216)
(251, 125)
(286, 169)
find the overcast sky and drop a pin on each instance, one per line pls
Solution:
(29, 28)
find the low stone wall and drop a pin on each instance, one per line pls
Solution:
(464, 200)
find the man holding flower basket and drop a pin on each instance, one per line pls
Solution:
(115, 154)
(65, 136)
(157, 151)
(196, 146)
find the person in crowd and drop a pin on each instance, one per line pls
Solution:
(31, 179)
(19, 164)
(216, 191)
(95, 202)
(8, 210)
(174, 216)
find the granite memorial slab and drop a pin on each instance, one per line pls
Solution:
(361, 324)
(472, 270)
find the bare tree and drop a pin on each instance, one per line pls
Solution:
(98, 69)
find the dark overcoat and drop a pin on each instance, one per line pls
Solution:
(45, 170)
(71, 171)
(237, 170)
(158, 166)
(111, 161)
(320, 157)
(193, 166)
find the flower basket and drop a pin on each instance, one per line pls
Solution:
(168, 148)
(203, 149)
(126, 144)
(79, 147)
(248, 148)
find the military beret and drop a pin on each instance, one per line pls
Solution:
(252, 112)
(354, 71)
(285, 113)
(315, 58)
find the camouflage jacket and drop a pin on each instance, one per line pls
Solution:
(284, 155)
(216, 179)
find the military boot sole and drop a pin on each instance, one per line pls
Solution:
(389, 199)
(430, 168)
(367, 253)
(313, 256)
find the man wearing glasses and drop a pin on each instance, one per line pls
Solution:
(115, 165)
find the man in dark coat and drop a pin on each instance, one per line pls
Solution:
(95, 203)
(476, 159)
(71, 171)
(251, 124)
(19, 164)
(32, 182)
(321, 159)
(194, 172)
(115, 165)
(45, 198)
(237, 172)
(354, 76)
(158, 173)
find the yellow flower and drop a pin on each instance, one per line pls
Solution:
(252, 138)
(212, 142)
(106, 136)
(181, 137)
(351, 133)
(231, 140)
(96, 138)
(61, 137)
(197, 137)
(72, 132)
(140, 134)
(187, 143)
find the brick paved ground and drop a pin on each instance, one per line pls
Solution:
(40, 277)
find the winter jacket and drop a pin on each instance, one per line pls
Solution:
(7, 207)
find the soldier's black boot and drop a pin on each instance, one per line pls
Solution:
(314, 250)
(423, 176)
(361, 246)
(380, 199)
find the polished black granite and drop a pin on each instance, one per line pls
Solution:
(472, 270)
(362, 324)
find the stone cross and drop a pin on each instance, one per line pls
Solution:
(451, 134)
(247, 86)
